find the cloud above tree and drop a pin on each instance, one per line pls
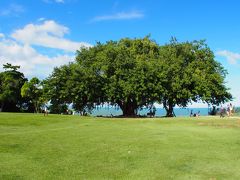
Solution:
(47, 34)
(22, 48)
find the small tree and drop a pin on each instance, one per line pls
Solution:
(11, 81)
(33, 91)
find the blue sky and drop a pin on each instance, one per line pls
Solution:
(42, 34)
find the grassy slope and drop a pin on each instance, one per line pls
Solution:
(71, 147)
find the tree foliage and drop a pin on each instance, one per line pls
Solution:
(123, 73)
(56, 88)
(11, 81)
(191, 74)
(133, 73)
(33, 91)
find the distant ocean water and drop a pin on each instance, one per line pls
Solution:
(108, 111)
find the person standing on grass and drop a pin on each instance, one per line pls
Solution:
(154, 111)
(198, 114)
(191, 114)
(222, 109)
(45, 111)
(230, 109)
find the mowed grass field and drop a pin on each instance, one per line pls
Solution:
(71, 147)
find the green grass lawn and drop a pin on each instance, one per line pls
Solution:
(71, 147)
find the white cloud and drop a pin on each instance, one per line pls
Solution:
(47, 34)
(12, 10)
(41, 19)
(53, 1)
(32, 63)
(230, 56)
(59, 1)
(49, 37)
(119, 16)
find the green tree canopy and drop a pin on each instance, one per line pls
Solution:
(133, 73)
(124, 73)
(56, 88)
(11, 81)
(34, 92)
(191, 74)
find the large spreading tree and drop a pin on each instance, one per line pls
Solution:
(125, 73)
(133, 73)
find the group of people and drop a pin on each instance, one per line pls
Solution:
(228, 110)
(194, 114)
(152, 111)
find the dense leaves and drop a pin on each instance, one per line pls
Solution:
(191, 75)
(129, 73)
(123, 73)
(32, 90)
(132, 73)
(56, 89)
(11, 81)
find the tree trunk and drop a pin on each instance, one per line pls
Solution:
(168, 105)
(129, 111)
(2, 105)
(35, 107)
(128, 108)
(170, 112)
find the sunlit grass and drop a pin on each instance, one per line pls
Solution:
(71, 147)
